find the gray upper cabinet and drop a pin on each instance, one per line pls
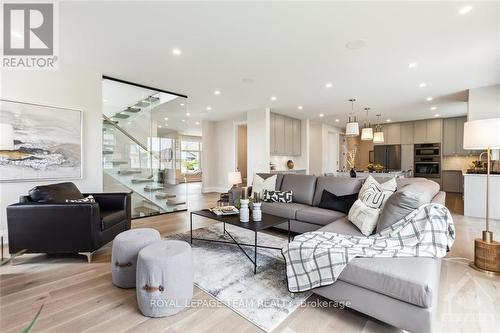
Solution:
(285, 135)
(406, 133)
(453, 137)
(393, 134)
(427, 131)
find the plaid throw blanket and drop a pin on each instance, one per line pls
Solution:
(316, 259)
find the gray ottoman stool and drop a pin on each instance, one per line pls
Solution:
(164, 278)
(126, 247)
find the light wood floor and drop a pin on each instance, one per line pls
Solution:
(79, 297)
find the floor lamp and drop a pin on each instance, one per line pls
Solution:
(485, 134)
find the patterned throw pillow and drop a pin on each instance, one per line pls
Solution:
(278, 196)
(373, 194)
(364, 217)
(89, 199)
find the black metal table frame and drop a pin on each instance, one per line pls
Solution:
(234, 242)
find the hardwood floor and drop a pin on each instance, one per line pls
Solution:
(79, 297)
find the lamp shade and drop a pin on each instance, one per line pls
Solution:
(482, 134)
(352, 129)
(234, 178)
(367, 134)
(378, 137)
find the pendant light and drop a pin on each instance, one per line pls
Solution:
(367, 131)
(378, 136)
(352, 126)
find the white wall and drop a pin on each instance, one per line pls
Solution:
(69, 87)
(300, 162)
(484, 103)
(219, 153)
(319, 151)
(259, 141)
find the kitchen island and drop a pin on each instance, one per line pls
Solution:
(475, 195)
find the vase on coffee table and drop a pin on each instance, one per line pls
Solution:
(257, 211)
(244, 211)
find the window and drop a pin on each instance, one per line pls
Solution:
(190, 155)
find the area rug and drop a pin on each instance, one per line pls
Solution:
(224, 272)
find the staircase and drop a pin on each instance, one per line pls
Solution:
(130, 165)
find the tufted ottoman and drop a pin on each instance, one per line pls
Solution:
(164, 278)
(126, 247)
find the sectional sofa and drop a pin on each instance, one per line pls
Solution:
(399, 291)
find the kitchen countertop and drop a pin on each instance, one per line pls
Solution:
(479, 174)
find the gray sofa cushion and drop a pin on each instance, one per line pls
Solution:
(342, 226)
(286, 210)
(318, 215)
(412, 280)
(302, 187)
(335, 185)
(404, 201)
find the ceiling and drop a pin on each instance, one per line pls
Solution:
(251, 51)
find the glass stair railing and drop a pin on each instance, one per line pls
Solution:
(129, 164)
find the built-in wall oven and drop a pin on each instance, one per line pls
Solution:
(428, 160)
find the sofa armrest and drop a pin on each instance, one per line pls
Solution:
(53, 228)
(235, 194)
(439, 198)
(112, 201)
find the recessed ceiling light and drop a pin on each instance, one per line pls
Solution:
(412, 65)
(422, 85)
(217, 92)
(388, 120)
(182, 104)
(197, 123)
(321, 114)
(165, 118)
(188, 114)
(209, 108)
(436, 115)
(176, 51)
(328, 85)
(273, 98)
(104, 100)
(337, 120)
(428, 99)
(159, 126)
(183, 120)
(465, 10)
(433, 107)
(300, 107)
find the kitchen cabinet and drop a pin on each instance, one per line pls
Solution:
(452, 181)
(406, 133)
(407, 157)
(392, 134)
(285, 135)
(434, 131)
(427, 131)
(453, 138)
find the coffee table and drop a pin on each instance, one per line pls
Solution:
(267, 221)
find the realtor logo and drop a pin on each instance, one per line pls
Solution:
(29, 33)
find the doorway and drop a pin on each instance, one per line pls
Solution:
(241, 151)
(332, 148)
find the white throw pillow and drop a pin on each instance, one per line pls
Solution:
(363, 217)
(260, 184)
(374, 195)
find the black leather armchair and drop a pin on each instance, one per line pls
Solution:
(67, 227)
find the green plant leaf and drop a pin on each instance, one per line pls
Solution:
(28, 328)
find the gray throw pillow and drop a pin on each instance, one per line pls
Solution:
(404, 201)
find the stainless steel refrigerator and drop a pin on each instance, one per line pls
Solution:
(389, 156)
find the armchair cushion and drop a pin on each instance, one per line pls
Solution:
(55, 193)
(110, 218)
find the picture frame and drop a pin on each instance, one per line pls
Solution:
(39, 142)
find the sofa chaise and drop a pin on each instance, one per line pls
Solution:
(399, 291)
